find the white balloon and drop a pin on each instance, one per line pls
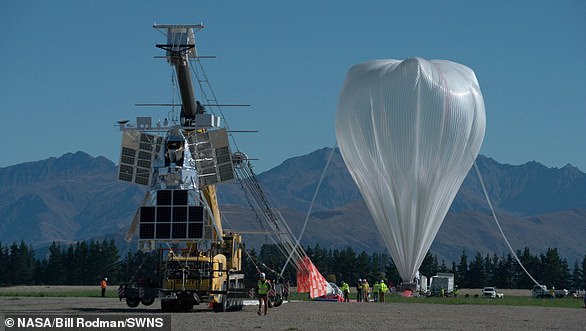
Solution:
(409, 132)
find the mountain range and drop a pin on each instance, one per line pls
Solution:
(77, 197)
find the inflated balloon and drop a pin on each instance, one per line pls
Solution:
(409, 132)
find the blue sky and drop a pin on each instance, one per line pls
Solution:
(70, 69)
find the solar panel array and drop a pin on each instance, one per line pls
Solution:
(171, 218)
(138, 152)
(213, 159)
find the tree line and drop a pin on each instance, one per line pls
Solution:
(471, 272)
(76, 264)
(86, 262)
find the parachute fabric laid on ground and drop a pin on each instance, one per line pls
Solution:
(409, 132)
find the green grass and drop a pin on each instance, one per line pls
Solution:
(567, 302)
(57, 294)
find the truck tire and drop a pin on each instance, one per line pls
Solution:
(239, 302)
(132, 302)
(277, 301)
(147, 301)
(169, 305)
(220, 307)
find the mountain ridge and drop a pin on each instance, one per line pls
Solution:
(77, 197)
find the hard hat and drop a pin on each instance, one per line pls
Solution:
(382, 280)
(262, 275)
(359, 279)
(106, 279)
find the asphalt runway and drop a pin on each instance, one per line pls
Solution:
(319, 315)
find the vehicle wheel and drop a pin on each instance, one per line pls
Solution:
(169, 305)
(278, 301)
(132, 302)
(147, 301)
(237, 304)
(220, 307)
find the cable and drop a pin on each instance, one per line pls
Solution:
(499, 226)
(310, 207)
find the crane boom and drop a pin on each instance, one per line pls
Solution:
(189, 106)
(180, 48)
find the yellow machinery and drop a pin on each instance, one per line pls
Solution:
(191, 277)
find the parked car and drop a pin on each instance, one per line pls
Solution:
(490, 292)
(541, 291)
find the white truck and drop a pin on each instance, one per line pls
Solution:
(490, 292)
(421, 282)
(441, 284)
(541, 291)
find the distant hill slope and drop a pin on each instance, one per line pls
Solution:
(528, 189)
(73, 197)
(77, 196)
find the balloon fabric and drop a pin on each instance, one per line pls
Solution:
(409, 132)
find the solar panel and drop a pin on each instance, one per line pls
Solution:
(163, 214)
(179, 197)
(164, 197)
(172, 218)
(147, 231)
(195, 214)
(138, 152)
(163, 231)
(179, 231)
(213, 159)
(195, 231)
(180, 214)
(147, 214)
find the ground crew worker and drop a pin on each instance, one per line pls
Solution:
(382, 290)
(262, 288)
(346, 291)
(375, 291)
(103, 285)
(359, 290)
(365, 290)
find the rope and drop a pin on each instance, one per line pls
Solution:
(262, 208)
(260, 203)
(310, 207)
(262, 263)
(251, 259)
(202, 80)
(499, 226)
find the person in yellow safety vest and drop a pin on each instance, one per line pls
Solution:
(345, 288)
(375, 291)
(262, 288)
(383, 288)
(365, 290)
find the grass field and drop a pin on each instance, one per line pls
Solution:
(510, 300)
